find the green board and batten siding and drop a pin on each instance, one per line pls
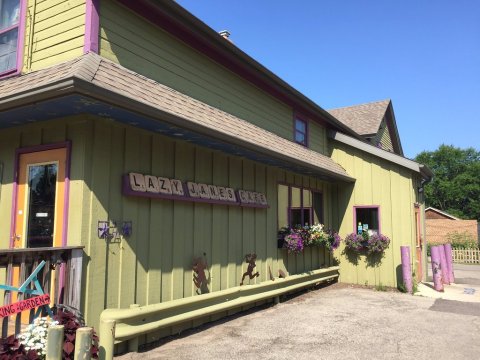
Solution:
(54, 32)
(144, 48)
(155, 263)
(378, 182)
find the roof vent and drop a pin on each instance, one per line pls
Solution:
(225, 34)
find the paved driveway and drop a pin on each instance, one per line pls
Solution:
(337, 322)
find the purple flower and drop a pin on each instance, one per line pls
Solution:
(377, 243)
(293, 242)
(354, 242)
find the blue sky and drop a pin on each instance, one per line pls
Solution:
(424, 55)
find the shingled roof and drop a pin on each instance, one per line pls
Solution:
(96, 77)
(364, 119)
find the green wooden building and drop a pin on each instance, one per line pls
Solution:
(135, 133)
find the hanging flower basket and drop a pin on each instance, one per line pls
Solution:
(372, 244)
(296, 239)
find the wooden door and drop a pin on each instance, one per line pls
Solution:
(39, 206)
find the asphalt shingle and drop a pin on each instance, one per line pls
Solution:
(113, 77)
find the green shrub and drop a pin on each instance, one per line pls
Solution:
(462, 240)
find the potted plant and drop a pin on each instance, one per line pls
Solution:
(332, 241)
(293, 242)
(354, 242)
(377, 243)
(372, 244)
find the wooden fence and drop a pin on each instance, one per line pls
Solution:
(466, 256)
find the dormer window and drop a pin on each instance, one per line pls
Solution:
(301, 132)
(10, 16)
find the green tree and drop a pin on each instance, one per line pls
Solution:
(455, 187)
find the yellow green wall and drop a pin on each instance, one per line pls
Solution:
(144, 48)
(54, 32)
(154, 264)
(317, 140)
(383, 137)
(390, 186)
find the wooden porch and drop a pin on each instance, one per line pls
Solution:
(61, 277)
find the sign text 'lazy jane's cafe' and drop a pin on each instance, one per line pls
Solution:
(135, 184)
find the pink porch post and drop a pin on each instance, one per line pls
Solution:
(436, 268)
(406, 268)
(443, 262)
(448, 255)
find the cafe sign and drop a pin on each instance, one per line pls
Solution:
(135, 184)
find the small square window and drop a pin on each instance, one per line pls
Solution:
(367, 219)
(301, 131)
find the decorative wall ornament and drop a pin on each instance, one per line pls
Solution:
(199, 278)
(112, 230)
(270, 273)
(250, 260)
(41, 301)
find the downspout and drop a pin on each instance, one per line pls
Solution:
(31, 36)
(427, 177)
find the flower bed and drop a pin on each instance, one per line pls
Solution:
(296, 239)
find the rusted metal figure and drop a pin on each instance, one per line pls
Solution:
(250, 260)
(199, 278)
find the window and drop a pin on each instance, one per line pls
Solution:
(9, 35)
(366, 218)
(301, 132)
(298, 206)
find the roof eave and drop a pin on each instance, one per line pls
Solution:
(75, 85)
(423, 170)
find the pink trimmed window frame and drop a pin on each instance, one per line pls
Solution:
(300, 119)
(366, 207)
(20, 40)
(92, 27)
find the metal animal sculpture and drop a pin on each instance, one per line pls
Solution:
(250, 260)
(199, 278)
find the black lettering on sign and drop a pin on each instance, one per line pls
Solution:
(137, 182)
(243, 196)
(177, 187)
(193, 189)
(231, 195)
(222, 193)
(204, 191)
(214, 194)
(165, 185)
(263, 199)
(152, 184)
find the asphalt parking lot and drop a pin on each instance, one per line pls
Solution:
(336, 322)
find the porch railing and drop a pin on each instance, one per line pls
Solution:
(61, 277)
